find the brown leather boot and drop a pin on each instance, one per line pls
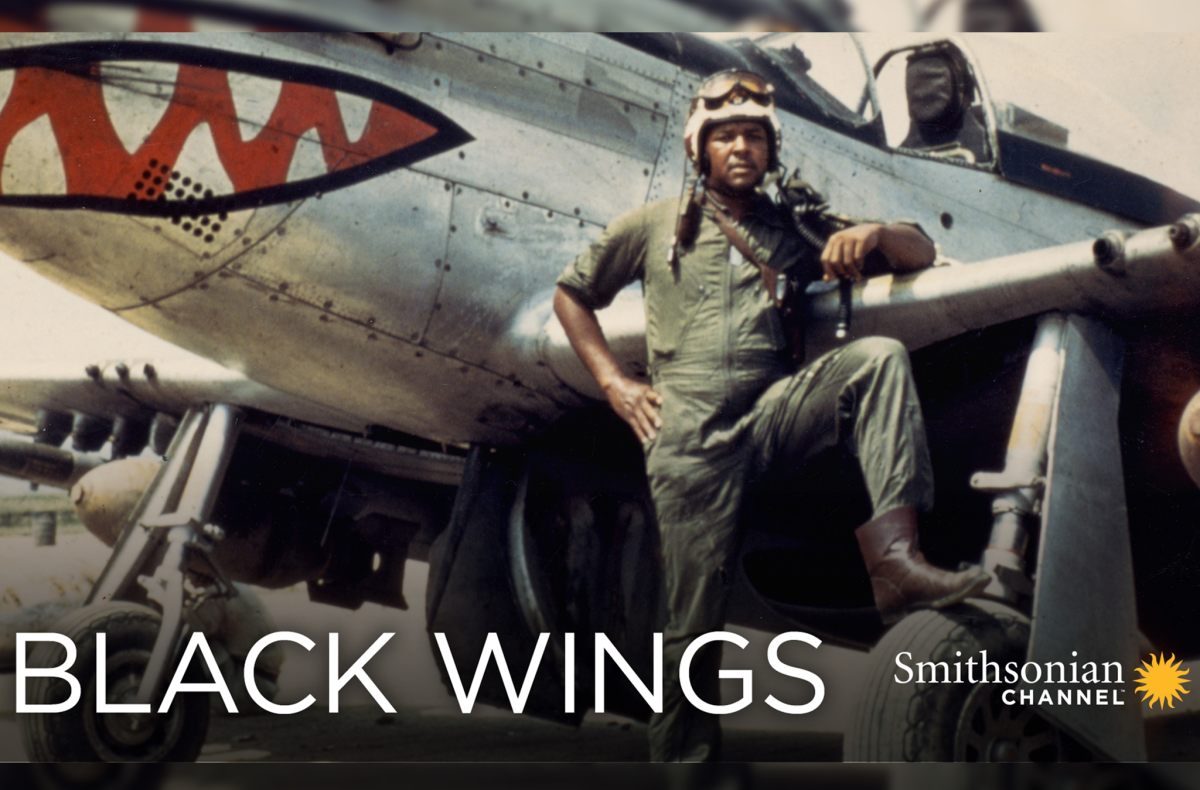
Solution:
(900, 577)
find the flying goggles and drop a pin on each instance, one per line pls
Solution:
(735, 88)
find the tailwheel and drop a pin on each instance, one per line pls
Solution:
(81, 734)
(944, 721)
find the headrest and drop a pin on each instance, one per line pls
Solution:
(939, 87)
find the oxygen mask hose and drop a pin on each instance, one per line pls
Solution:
(846, 292)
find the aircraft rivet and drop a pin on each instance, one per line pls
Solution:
(274, 298)
(150, 192)
(437, 83)
(447, 267)
(328, 304)
(145, 174)
(453, 228)
(372, 336)
(154, 163)
(588, 82)
(525, 196)
(139, 185)
(208, 239)
(577, 212)
(521, 72)
(462, 155)
(540, 66)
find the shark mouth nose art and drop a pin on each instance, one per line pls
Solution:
(168, 130)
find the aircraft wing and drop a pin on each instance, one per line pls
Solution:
(71, 359)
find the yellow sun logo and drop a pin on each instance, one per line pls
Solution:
(1161, 680)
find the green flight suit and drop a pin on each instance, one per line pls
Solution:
(733, 412)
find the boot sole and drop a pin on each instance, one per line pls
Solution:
(974, 588)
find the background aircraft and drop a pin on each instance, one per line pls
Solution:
(364, 232)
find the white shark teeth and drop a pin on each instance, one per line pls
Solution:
(137, 95)
(355, 112)
(33, 164)
(309, 159)
(7, 78)
(199, 161)
(254, 99)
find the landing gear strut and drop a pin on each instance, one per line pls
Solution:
(164, 556)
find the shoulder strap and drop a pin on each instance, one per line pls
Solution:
(770, 276)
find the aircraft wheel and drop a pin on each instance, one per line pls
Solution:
(963, 722)
(80, 734)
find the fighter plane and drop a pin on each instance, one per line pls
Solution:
(362, 233)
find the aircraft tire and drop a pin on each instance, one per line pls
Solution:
(80, 734)
(961, 722)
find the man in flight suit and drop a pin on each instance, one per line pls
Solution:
(724, 411)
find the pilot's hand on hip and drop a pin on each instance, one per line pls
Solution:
(847, 250)
(636, 404)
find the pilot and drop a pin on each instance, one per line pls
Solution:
(724, 410)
